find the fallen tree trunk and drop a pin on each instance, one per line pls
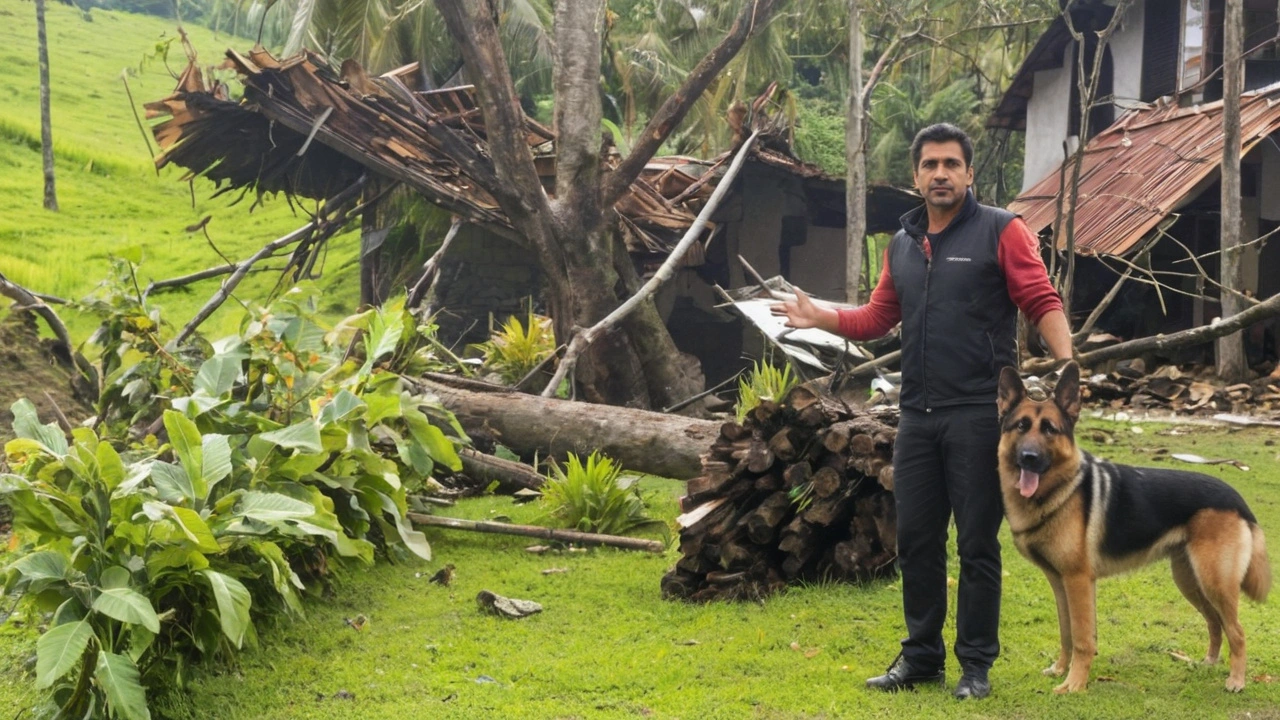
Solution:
(642, 441)
(509, 474)
(1194, 336)
(573, 536)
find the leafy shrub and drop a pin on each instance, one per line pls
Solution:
(284, 449)
(764, 382)
(591, 497)
(515, 350)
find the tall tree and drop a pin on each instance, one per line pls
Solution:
(46, 121)
(574, 236)
(1231, 358)
(856, 162)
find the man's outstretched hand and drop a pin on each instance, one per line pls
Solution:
(803, 313)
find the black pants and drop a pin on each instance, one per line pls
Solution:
(944, 461)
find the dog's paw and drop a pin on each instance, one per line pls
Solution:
(1209, 660)
(1054, 670)
(1071, 686)
(1235, 685)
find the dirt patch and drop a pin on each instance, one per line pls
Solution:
(29, 370)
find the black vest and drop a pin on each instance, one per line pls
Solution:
(958, 323)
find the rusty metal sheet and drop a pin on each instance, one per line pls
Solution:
(1144, 167)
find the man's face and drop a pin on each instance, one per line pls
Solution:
(942, 176)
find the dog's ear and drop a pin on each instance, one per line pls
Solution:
(1011, 390)
(1067, 392)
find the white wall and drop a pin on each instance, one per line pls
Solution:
(1126, 57)
(1047, 111)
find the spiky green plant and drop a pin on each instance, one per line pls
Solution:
(518, 347)
(592, 496)
(764, 382)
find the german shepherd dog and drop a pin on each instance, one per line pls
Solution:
(1080, 518)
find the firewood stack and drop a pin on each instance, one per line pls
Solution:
(800, 491)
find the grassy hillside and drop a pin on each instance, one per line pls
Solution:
(111, 198)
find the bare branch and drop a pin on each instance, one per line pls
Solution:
(329, 220)
(431, 268)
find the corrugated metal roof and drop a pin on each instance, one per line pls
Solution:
(1144, 167)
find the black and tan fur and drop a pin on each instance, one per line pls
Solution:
(1086, 518)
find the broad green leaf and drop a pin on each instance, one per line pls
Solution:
(282, 575)
(172, 483)
(433, 438)
(385, 329)
(303, 436)
(19, 447)
(218, 374)
(199, 401)
(26, 424)
(43, 565)
(29, 511)
(127, 606)
(115, 577)
(233, 605)
(343, 405)
(217, 458)
(110, 466)
(184, 436)
(58, 650)
(140, 639)
(196, 530)
(119, 678)
(381, 407)
(299, 466)
(269, 507)
(414, 540)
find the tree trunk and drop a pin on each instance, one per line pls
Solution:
(570, 234)
(46, 120)
(1231, 359)
(642, 441)
(855, 160)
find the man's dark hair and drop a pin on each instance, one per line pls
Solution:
(941, 133)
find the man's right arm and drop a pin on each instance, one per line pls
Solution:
(878, 316)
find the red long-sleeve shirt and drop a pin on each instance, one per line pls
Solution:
(1019, 256)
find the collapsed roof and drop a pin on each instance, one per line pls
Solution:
(308, 131)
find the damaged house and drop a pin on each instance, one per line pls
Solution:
(310, 131)
(1149, 181)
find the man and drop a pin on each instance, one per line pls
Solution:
(955, 276)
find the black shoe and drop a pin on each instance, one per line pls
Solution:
(973, 684)
(904, 675)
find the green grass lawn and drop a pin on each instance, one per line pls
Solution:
(109, 193)
(608, 646)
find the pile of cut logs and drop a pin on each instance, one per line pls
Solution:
(799, 491)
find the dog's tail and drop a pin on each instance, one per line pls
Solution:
(1257, 579)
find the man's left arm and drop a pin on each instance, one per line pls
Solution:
(1030, 289)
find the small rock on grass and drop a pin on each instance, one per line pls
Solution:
(507, 607)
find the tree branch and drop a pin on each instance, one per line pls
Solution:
(754, 16)
(1194, 336)
(474, 27)
(586, 337)
(320, 222)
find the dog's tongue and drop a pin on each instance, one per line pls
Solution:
(1028, 482)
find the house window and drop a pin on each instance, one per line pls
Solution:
(1193, 36)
